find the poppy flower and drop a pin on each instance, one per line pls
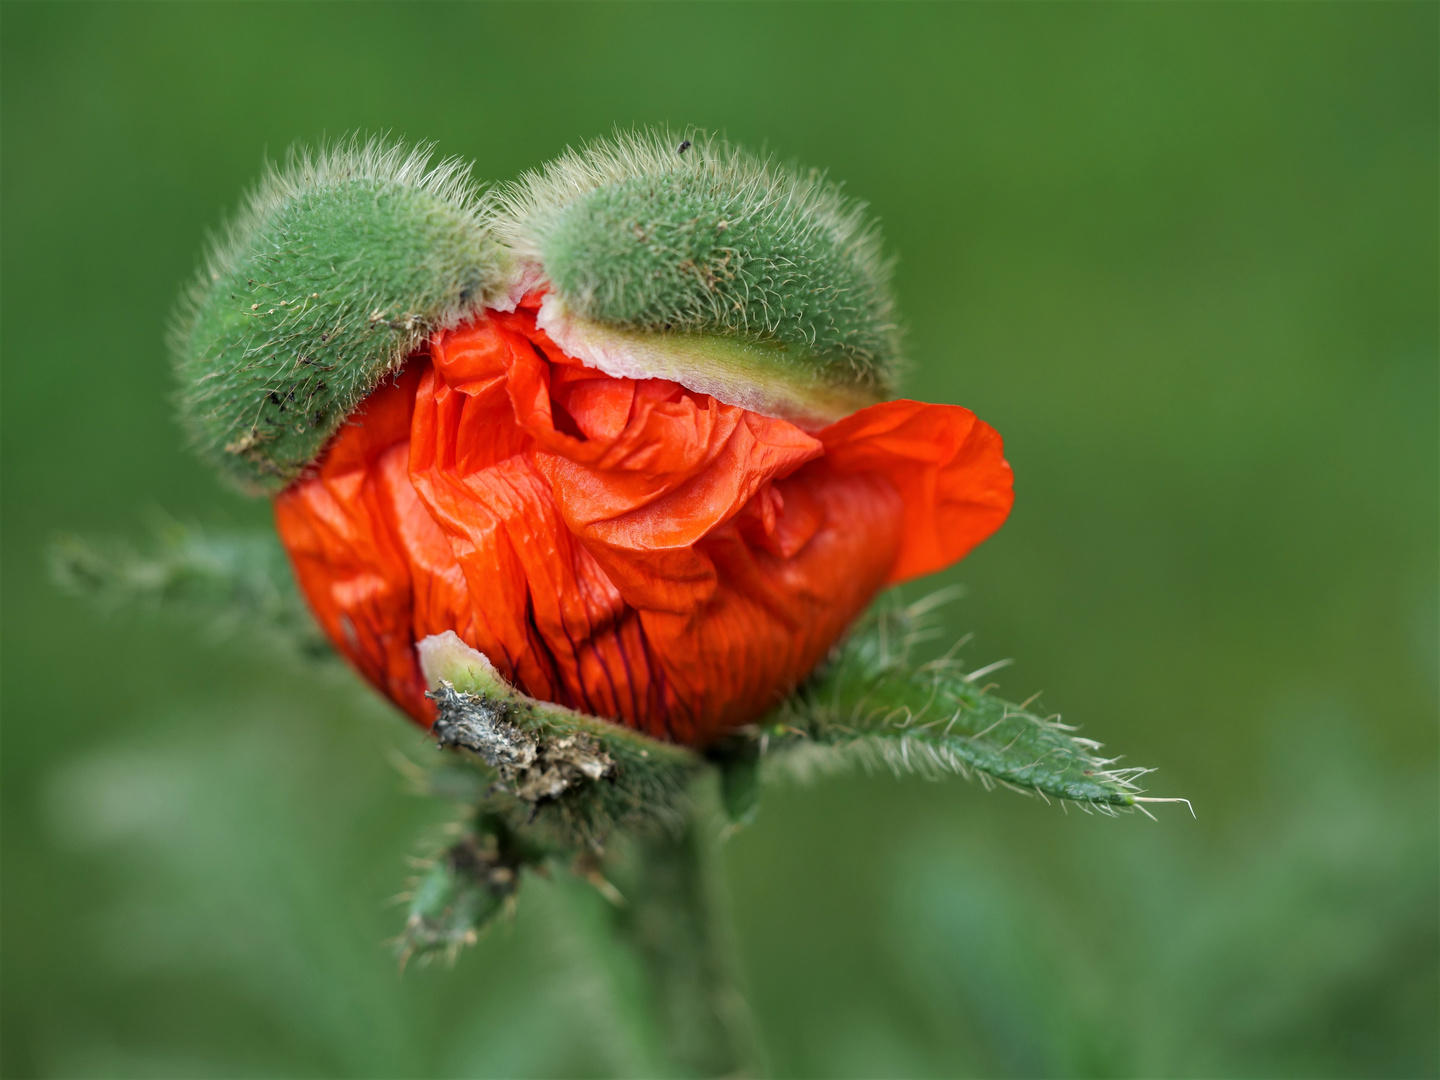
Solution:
(634, 448)
(626, 547)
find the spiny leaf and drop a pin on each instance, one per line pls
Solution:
(871, 706)
(462, 890)
(231, 582)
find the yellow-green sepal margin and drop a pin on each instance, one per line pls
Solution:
(775, 378)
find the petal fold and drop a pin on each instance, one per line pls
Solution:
(626, 547)
(948, 466)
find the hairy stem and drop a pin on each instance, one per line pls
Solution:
(674, 923)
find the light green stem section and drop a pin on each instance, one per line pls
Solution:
(675, 924)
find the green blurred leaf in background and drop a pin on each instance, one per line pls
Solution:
(1183, 257)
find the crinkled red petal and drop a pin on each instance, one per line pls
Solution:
(625, 547)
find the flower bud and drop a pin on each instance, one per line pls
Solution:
(620, 429)
(727, 273)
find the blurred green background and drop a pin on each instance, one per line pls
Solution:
(1183, 257)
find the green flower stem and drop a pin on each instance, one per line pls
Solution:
(565, 782)
(674, 922)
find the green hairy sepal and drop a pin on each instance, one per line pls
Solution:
(566, 779)
(335, 269)
(727, 273)
(709, 241)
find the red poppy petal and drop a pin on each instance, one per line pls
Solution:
(948, 466)
(628, 548)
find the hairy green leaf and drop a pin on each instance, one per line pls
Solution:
(461, 890)
(234, 583)
(871, 706)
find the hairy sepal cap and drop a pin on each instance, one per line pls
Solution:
(338, 266)
(728, 273)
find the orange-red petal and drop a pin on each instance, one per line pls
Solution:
(948, 466)
(626, 547)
